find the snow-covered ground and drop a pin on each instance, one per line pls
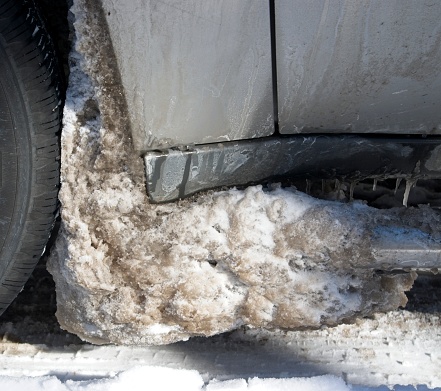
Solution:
(166, 379)
(162, 378)
(399, 348)
(98, 369)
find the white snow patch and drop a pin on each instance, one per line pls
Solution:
(166, 379)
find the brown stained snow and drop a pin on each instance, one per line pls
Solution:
(133, 273)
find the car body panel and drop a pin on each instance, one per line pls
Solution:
(359, 66)
(193, 72)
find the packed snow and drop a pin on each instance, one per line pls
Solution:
(166, 379)
(397, 348)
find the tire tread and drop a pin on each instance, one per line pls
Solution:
(32, 52)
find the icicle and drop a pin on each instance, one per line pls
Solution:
(374, 186)
(409, 184)
(308, 186)
(337, 186)
(323, 186)
(351, 191)
(397, 185)
(415, 183)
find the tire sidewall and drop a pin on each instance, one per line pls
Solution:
(17, 155)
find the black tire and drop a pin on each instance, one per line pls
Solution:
(30, 114)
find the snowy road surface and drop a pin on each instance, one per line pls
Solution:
(398, 348)
(154, 378)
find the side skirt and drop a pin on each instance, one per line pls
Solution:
(178, 173)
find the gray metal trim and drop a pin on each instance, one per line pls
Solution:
(405, 248)
(174, 174)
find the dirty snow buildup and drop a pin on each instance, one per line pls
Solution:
(130, 272)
